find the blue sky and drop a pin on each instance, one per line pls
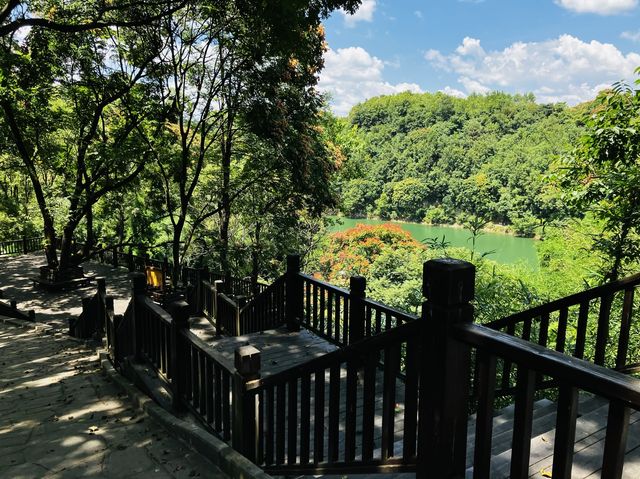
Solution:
(560, 50)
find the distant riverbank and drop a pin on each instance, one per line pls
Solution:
(507, 249)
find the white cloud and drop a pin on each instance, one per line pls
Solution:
(633, 36)
(418, 14)
(363, 14)
(452, 92)
(352, 75)
(601, 7)
(562, 69)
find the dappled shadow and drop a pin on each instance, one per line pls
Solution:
(55, 308)
(60, 418)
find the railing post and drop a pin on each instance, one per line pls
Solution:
(130, 262)
(13, 304)
(100, 320)
(294, 293)
(218, 285)
(448, 286)
(138, 287)
(165, 272)
(245, 405)
(179, 311)
(357, 287)
(24, 245)
(114, 253)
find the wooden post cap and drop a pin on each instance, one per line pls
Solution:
(102, 283)
(138, 281)
(247, 361)
(357, 285)
(179, 311)
(448, 281)
(293, 263)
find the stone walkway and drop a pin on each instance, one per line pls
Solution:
(55, 309)
(60, 418)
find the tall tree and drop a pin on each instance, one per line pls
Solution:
(603, 173)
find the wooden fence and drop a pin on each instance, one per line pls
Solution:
(394, 397)
(594, 325)
(21, 246)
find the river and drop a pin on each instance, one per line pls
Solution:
(507, 249)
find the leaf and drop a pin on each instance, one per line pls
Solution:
(545, 473)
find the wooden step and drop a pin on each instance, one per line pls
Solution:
(590, 433)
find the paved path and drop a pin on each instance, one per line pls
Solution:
(60, 418)
(55, 309)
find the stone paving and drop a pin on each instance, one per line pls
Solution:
(54, 309)
(60, 418)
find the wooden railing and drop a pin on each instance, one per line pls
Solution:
(92, 322)
(198, 381)
(396, 400)
(594, 325)
(532, 361)
(10, 310)
(21, 246)
(235, 318)
(329, 311)
(308, 416)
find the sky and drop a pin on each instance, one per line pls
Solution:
(559, 50)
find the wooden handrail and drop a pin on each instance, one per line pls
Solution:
(577, 372)
(567, 301)
(339, 355)
(154, 308)
(324, 284)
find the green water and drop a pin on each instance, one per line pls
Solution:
(507, 249)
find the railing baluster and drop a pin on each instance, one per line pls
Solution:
(391, 363)
(561, 336)
(543, 334)
(506, 367)
(268, 430)
(292, 421)
(369, 403)
(226, 405)
(318, 418)
(522, 423)
(330, 303)
(315, 306)
(305, 413)
(625, 328)
(351, 409)
(486, 379)
(209, 387)
(203, 386)
(322, 310)
(581, 334)
(602, 336)
(336, 324)
(280, 423)
(334, 413)
(615, 442)
(218, 396)
(412, 368)
(565, 432)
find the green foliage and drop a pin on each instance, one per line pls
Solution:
(487, 156)
(603, 173)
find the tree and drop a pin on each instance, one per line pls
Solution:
(74, 17)
(70, 103)
(603, 173)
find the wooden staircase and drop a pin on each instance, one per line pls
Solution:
(589, 440)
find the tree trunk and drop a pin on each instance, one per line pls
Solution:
(255, 261)
(66, 248)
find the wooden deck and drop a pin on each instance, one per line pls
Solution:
(281, 350)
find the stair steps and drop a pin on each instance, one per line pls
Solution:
(589, 441)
